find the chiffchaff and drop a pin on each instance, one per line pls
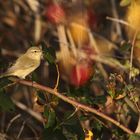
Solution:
(25, 64)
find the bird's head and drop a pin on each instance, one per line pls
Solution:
(34, 53)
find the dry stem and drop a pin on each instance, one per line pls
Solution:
(74, 103)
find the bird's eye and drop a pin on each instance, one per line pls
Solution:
(35, 51)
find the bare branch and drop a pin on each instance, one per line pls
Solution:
(73, 102)
(28, 110)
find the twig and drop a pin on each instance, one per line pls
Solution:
(64, 50)
(120, 21)
(37, 28)
(96, 35)
(28, 110)
(34, 5)
(74, 103)
(71, 115)
(101, 122)
(108, 61)
(33, 130)
(11, 84)
(131, 104)
(138, 126)
(115, 14)
(72, 44)
(94, 44)
(58, 77)
(21, 129)
(131, 56)
(11, 121)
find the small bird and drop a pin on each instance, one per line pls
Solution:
(25, 64)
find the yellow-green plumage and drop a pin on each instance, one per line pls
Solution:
(25, 64)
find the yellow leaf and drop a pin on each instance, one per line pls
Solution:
(89, 135)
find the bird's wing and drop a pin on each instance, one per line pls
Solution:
(21, 63)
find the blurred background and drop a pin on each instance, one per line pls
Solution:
(88, 57)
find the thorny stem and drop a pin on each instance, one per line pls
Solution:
(74, 103)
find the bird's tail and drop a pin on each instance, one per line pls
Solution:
(4, 75)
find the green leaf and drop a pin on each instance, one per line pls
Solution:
(46, 111)
(83, 118)
(99, 100)
(125, 2)
(96, 125)
(6, 103)
(48, 54)
(73, 129)
(129, 87)
(112, 94)
(77, 92)
(49, 58)
(50, 134)
(119, 134)
(134, 137)
(115, 62)
(34, 76)
(51, 117)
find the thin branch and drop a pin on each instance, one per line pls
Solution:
(72, 44)
(101, 122)
(74, 103)
(71, 115)
(108, 61)
(94, 44)
(37, 28)
(28, 110)
(58, 77)
(21, 129)
(120, 21)
(131, 56)
(11, 121)
(138, 126)
(131, 104)
(115, 14)
(33, 130)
